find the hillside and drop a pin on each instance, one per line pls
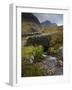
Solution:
(31, 25)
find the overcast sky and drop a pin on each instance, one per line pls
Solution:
(54, 18)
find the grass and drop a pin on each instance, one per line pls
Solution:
(29, 70)
(27, 51)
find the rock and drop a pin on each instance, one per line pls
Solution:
(45, 66)
(60, 53)
(51, 61)
(31, 59)
(51, 71)
(49, 64)
(60, 63)
(41, 65)
(44, 55)
(58, 71)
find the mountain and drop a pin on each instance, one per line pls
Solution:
(30, 23)
(48, 24)
(48, 27)
(30, 18)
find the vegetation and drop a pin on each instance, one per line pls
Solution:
(30, 70)
(27, 51)
(37, 52)
(56, 40)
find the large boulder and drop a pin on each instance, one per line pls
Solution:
(39, 40)
(49, 64)
(50, 61)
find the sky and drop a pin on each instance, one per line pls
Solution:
(54, 18)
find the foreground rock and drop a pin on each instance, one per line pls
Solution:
(48, 65)
(60, 63)
(60, 56)
(50, 61)
(60, 53)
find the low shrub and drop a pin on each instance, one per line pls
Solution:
(35, 51)
(38, 50)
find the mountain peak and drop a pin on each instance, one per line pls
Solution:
(47, 23)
